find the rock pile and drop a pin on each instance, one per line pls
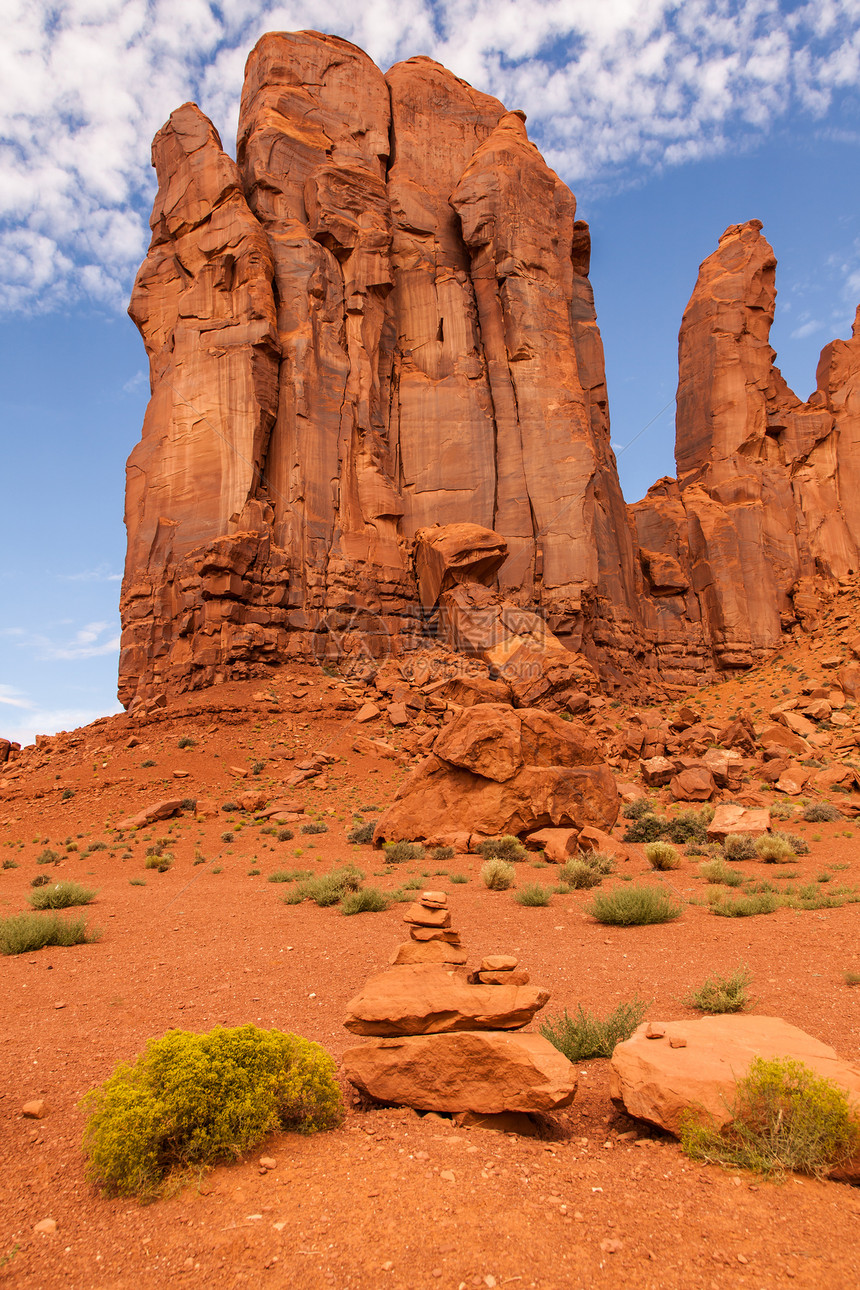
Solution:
(494, 770)
(431, 937)
(444, 1042)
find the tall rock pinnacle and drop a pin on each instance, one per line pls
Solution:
(379, 320)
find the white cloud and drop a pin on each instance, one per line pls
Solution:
(48, 721)
(102, 573)
(806, 329)
(14, 698)
(94, 640)
(608, 87)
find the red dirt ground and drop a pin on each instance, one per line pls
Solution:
(389, 1200)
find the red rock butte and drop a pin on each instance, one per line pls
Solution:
(378, 320)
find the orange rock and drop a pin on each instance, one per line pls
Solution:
(428, 952)
(484, 1072)
(163, 810)
(426, 999)
(730, 819)
(692, 785)
(556, 844)
(592, 839)
(699, 1065)
(425, 916)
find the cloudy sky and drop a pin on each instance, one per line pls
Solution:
(669, 121)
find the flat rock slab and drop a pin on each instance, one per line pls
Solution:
(427, 999)
(151, 814)
(696, 1065)
(486, 1072)
(427, 952)
(730, 819)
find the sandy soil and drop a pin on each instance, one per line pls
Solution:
(390, 1199)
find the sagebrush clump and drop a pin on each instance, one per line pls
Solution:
(785, 1118)
(719, 994)
(61, 896)
(506, 848)
(584, 1035)
(662, 855)
(191, 1100)
(634, 906)
(498, 875)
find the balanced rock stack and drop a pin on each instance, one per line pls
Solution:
(443, 1042)
(432, 939)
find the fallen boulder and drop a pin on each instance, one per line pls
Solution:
(163, 810)
(486, 1072)
(730, 819)
(684, 1066)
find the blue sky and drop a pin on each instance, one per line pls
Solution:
(668, 121)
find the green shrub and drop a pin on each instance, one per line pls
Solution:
(47, 857)
(288, 875)
(96, 846)
(533, 894)
(634, 906)
(851, 978)
(10, 864)
(785, 1118)
(370, 900)
(798, 845)
(739, 846)
(576, 874)
(722, 993)
(773, 850)
(362, 833)
(763, 902)
(25, 932)
(329, 888)
(160, 861)
(316, 826)
(584, 1035)
(507, 848)
(459, 878)
(662, 855)
(719, 871)
(635, 810)
(821, 813)
(401, 852)
(498, 875)
(440, 854)
(646, 827)
(61, 896)
(186, 742)
(284, 835)
(690, 825)
(191, 1100)
(781, 810)
(40, 880)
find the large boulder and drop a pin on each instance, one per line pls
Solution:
(695, 1066)
(486, 1072)
(497, 770)
(428, 999)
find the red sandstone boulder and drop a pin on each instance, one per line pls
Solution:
(695, 1066)
(484, 1072)
(426, 999)
(730, 819)
(163, 810)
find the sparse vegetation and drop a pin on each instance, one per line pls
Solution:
(785, 1118)
(191, 1100)
(441, 854)
(720, 994)
(634, 906)
(533, 894)
(821, 813)
(23, 933)
(361, 833)
(61, 896)
(662, 855)
(719, 872)
(774, 850)
(401, 852)
(498, 875)
(40, 880)
(288, 875)
(584, 1035)
(186, 742)
(586, 870)
(160, 860)
(851, 978)
(327, 889)
(369, 900)
(739, 846)
(747, 906)
(507, 848)
(285, 835)
(47, 857)
(315, 826)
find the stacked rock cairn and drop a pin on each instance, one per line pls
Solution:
(450, 1042)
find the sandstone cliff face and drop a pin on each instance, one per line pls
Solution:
(765, 502)
(379, 320)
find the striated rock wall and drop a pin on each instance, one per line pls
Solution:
(765, 507)
(379, 319)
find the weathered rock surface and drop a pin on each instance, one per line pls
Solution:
(379, 406)
(481, 1071)
(659, 1083)
(497, 770)
(425, 999)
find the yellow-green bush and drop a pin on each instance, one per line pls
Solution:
(191, 1100)
(785, 1118)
